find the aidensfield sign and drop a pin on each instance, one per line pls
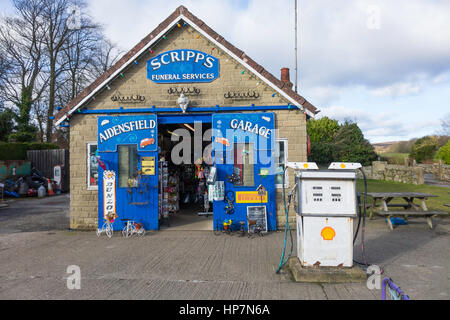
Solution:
(183, 66)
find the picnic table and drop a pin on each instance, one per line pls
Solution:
(409, 207)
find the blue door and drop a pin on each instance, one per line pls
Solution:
(128, 170)
(243, 150)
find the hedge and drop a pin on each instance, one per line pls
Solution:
(18, 151)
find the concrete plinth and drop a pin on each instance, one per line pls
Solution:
(325, 274)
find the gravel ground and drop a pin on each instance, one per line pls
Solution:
(36, 248)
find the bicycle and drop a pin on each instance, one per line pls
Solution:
(106, 228)
(389, 291)
(131, 228)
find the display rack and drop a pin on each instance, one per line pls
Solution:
(163, 197)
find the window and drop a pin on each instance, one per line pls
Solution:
(128, 166)
(281, 148)
(92, 166)
(243, 164)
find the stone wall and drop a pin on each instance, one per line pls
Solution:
(381, 170)
(427, 168)
(441, 171)
(291, 124)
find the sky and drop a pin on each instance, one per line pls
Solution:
(384, 64)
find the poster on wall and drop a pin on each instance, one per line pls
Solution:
(109, 194)
(257, 218)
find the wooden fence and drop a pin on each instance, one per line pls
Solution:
(46, 160)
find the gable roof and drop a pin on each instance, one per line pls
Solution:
(183, 14)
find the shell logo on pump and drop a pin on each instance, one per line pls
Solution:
(328, 233)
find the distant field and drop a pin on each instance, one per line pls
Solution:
(394, 155)
(394, 158)
(388, 186)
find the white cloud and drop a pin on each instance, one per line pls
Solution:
(398, 90)
(338, 52)
(336, 46)
(383, 126)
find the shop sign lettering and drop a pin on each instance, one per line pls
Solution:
(183, 65)
(120, 130)
(251, 197)
(109, 193)
(250, 127)
(125, 128)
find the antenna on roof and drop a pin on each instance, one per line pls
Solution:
(296, 54)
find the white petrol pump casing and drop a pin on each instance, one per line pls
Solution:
(326, 207)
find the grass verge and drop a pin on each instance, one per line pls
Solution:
(388, 186)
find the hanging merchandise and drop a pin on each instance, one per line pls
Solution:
(229, 208)
(211, 189)
(163, 194)
(212, 176)
(206, 202)
(201, 174)
(219, 191)
(234, 178)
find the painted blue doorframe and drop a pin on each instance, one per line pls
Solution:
(141, 203)
(138, 202)
(257, 129)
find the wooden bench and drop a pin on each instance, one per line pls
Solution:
(405, 213)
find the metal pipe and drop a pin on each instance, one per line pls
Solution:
(296, 54)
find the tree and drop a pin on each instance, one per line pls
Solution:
(55, 14)
(6, 123)
(321, 134)
(445, 125)
(444, 153)
(21, 49)
(424, 149)
(351, 146)
(106, 55)
(46, 60)
(331, 141)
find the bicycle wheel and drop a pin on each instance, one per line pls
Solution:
(126, 232)
(109, 230)
(141, 232)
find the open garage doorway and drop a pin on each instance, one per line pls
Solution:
(184, 164)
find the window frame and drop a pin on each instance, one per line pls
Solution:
(88, 166)
(118, 161)
(286, 174)
(244, 169)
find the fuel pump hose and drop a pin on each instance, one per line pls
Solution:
(287, 227)
(363, 216)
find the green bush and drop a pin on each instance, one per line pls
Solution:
(351, 146)
(321, 133)
(18, 151)
(331, 141)
(424, 149)
(444, 153)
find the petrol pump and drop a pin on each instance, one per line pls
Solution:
(326, 204)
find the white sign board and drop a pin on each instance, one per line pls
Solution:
(109, 193)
